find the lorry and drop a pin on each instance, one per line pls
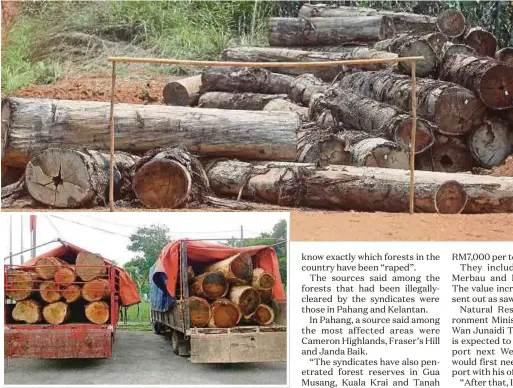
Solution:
(170, 315)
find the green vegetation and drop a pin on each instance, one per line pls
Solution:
(136, 314)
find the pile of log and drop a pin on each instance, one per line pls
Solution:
(230, 292)
(56, 292)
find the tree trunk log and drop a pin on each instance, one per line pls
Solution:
(66, 178)
(491, 143)
(353, 188)
(50, 291)
(246, 79)
(71, 293)
(210, 285)
(437, 40)
(168, 179)
(329, 31)
(378, 119)
(410, 46)
(263, 315)
(46, 267)
(282, 105)
(505, 55)
(452, 23)
(97, 312)
(448, 154)
(237, 101)
(56, 313)
(33, 125)
(304, 87)
(450, 198)
(454, 109)
(262, 280)
(95, 290)
(225, 314)
(183, 92)
(266, 296)
(89, 266)
(246, 298)
(403, 21)
(275, 54)
(20, 284)
(65, 276)
(450, 48)
(489, 79)
(484, 42)
(28, 311)
(199, 311)
(378, 152)
(237, 269)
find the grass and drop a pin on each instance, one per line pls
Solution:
(137, 318)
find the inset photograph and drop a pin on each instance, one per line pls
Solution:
(183, 299)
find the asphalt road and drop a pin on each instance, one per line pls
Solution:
(141, 358)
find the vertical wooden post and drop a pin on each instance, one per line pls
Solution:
(413, 135)
(112, 137)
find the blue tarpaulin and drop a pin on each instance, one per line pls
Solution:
(159, 297)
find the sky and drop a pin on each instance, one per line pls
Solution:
(107, 233)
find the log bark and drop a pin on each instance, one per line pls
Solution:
(329, 31)
(491, 143)
(237, 269)
(71, 293)
(89, 266)
(304, 87)
(67, 178)
(237, 101)
(437, 40)
(282, 105)
(64, 276)
(262, 280)
(451, 22)
(20, 284)
(505, 55)
(276, 54)
(246, 79)
(454, 109)
(199, 311)
(448, 154)
(97, 312)
(56, 313)
(28, 311)
(95, 290)
(263, 315)
(46, 267)
(169, 178)
(378, 152)
(225, 314)
(33, 125)
(246, 298)
(378, 119)
(411, 46)
(403, 21)
(353, 188)
(484, 42)
(183, 92)
(210, 285)
(489, 79)
(450, 198)
(450, 48)
(50, 291)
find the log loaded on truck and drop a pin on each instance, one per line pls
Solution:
(64, 304)
(219, 303)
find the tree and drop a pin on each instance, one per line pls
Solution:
(148, 242)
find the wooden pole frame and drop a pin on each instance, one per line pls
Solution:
(184, 62)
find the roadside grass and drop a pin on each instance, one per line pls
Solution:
(137, 318)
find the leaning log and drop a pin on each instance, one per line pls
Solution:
(484, 42)
(246, 298)
(329, 31)
(378, 119)
(489, 79)
(448, 154)
(199, 311)
(282, 105)
(169, 178)
(30, 126)
(183, 92)
(505, 55)
(276, 54)
(46, 267)
(20, 284)
(95, 290)
(56, 313)
(451, 22)
(89, 266)
(64, 276)
(237, 269)
(491, 142)
(262, 280)
(28, 311)
(225, 314)
(71, 293)
(454, 109)
(97, 312)
(210, 285)
(353, 188)
(263, 315)
(237, 101)
(244, 79)
(50, 291)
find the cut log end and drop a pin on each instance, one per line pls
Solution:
(89, 266)
(71, 293)
(28, 311)
(482, 41)
(20, 284)
(183, 92)
(496, 88)
(95, 290)
(505, 55)
(448, 154)
(491, 143)
(210, 285)
(46, 267)
(225, 314)
(262, 280)
(424, 136)
(241, 267)
(246, 298)
(97, 312)
(199, 311)
(450, 198)
(264, 315)
(423, 49)
(56, 313)
(162, 184)
(49, 291)
(65, 276)
(451, 23)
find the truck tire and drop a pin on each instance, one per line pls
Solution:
(175, 342)
(157, 328)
